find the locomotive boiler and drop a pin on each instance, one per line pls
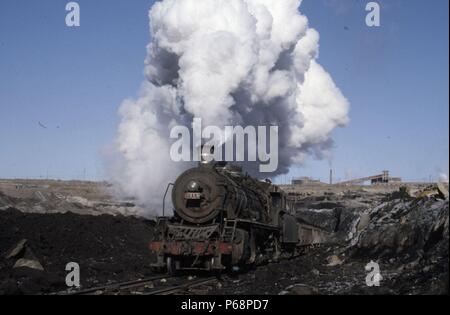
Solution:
(222, 219)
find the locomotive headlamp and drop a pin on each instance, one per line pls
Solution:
(193, 186)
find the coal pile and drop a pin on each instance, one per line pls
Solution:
(411, 236)
(35, 248)
(406, 235)
(336, 213)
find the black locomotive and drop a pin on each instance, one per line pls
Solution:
(222, 219)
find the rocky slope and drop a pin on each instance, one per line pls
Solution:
(407, 236)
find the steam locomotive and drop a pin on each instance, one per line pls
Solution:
(224, 219)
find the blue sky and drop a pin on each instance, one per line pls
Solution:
(72, 81)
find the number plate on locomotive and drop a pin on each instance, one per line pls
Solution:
(192, 195)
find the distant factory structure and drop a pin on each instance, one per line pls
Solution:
(383, 178)
(306, 181)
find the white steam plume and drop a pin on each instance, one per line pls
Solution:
(229, 62)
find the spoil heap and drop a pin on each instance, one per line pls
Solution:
(107, 248)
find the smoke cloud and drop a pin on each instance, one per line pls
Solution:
(229, 62)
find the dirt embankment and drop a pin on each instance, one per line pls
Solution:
(50, 196)
(107, 248)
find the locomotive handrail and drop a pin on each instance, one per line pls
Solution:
(164, 199)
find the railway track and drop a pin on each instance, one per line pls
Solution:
(146, 286)
(182, 287)
(161, 285)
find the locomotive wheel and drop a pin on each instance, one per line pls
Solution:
(276, 252)
(252, 247)
(171, 266)
(241, 247)
(208, 264)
